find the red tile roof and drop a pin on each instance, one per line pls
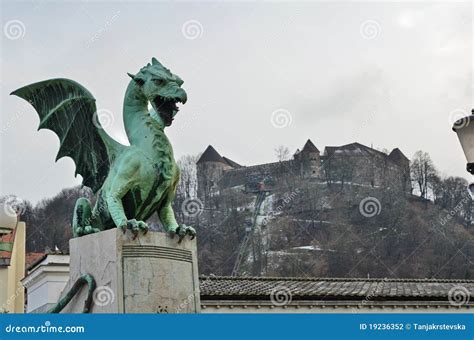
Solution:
(10, 237)
(33, 258)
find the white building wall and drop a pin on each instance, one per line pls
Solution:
(46, 281)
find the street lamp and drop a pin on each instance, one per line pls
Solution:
(464, 128)
(8, 220)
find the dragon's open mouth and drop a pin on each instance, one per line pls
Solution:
(166, 107)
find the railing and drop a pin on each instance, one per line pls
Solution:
(243, 246)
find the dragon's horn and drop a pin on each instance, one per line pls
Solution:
(155, 62)
(138, 80)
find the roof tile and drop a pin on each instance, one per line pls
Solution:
(327, 288)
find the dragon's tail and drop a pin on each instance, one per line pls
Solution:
(84, 279)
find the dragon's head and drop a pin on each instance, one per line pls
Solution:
(161, 88)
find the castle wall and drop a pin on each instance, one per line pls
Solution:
(356, 164)
(371, 170)
(269, 174)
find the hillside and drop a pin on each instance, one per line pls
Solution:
(310, 229)
(304, 228)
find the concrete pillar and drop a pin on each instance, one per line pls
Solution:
(151, 274)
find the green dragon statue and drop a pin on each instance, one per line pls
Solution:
(131, 182)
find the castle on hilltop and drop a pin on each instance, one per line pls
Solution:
(352, 164)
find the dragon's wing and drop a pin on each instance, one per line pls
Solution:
(68, 109)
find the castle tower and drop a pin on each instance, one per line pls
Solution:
(210, 167)
(309, 160)
(403, 163)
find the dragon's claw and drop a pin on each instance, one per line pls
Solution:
(135, 226)
(184, 230)
(81, 231)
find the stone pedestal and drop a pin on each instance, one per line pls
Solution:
(151, 274)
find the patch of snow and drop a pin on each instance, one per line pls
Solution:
(312, 248)
(310, 221)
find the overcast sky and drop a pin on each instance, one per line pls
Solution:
(258, 74)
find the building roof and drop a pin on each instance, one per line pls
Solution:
(231, 162)
(32, 259)
(211, 155)
(309, 147)
(353, 149)
(261, 288)
(396, 155)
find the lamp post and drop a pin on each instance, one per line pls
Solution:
(464, 128)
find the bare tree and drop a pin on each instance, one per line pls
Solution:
(451, 193)
(423, 172)
(187, 186)
(282, 153)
